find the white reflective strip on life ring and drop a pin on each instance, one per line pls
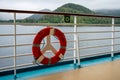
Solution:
(36, 45)
(63, 47)
(52, 31)
(40, 58)
(61, 56)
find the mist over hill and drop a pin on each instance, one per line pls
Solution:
(110, 12)
(38, 16)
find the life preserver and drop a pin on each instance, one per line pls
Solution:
(38, 53)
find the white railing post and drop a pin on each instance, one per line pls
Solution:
(113, 37)
(15, 45)
(75, 38)
(78, 52)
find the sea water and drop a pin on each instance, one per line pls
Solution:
(28, 39)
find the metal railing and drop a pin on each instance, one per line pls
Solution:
(76, 47)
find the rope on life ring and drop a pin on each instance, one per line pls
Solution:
(58, 54)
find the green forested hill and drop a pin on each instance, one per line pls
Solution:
(67, 8)
(71, 8)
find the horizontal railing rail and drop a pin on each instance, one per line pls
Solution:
(54, 13)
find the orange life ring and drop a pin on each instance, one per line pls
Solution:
(38, 53)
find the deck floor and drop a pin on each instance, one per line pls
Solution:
(106, 71)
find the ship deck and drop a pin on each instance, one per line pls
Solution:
(106, 71)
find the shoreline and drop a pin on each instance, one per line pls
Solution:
(61, 24)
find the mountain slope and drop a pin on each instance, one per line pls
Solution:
(38, 16)
(68, 8)
(71, 8)
(74, 8)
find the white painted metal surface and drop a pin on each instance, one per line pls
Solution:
(113, 38)
(15, 45)
(75, 38)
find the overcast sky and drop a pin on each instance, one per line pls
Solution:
(53, 4)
